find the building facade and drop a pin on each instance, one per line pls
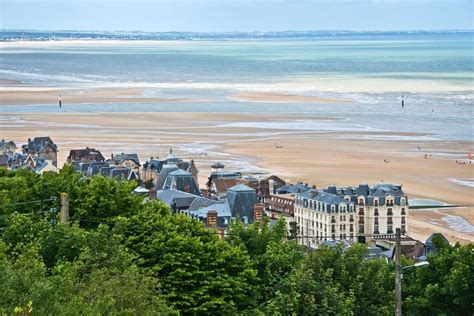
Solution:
(360, 213)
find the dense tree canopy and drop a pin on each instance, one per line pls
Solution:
(122, 255)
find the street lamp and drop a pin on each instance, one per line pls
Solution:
(399, 296)
(416, 265)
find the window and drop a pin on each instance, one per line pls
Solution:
(333, 229)
(333, 219)
(361, 229)
(361, 220)
(361, 211)
(376, 221)
(389, 229)
(389, 212)
(376, 229)
(403, 211)
(361, 201)
(351, 219)
(404, 229)
(351, 227)
(403, 220)
(389, 221)
(376, 202)
(376, 212)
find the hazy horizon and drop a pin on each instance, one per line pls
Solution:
(236, 16)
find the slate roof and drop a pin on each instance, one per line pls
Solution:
(385, 189)
(293, 188)
(117, 173)
(120, 158)
(222, 208)
(241, 188)
(154, 165)
(321, 196)
(242, 200)
(200, 202)
(167, 169)
(181, 180)
(105, 171)
(38, 144)
(95, 167)
(88, 154)
(175, 198)
(4, 143)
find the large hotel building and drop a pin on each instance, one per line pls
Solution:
(360, 213)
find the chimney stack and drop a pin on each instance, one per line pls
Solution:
(258, 212)
(152, 194)
(211, 219)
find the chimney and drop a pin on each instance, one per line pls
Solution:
(211, 219)
(271, 186)
(313, 187)
(152, 194)
(112, 156)
(258, 212)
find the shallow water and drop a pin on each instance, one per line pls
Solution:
(434, 74)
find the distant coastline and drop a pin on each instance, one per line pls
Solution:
(38, 35)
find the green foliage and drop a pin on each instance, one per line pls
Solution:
(200, 273)
(445, 286)
(147, 261)
(100, 198)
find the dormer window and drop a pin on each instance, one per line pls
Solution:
(361, 201)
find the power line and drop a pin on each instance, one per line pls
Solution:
(28, 202)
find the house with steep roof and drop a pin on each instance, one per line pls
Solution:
(242, 200)
(181, 180)
(7, 148)
(176, 200)
(42, 148)
(86, 154)
(153, 167)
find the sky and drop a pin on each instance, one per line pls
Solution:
(236, 15)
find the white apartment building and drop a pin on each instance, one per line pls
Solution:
(360, 213)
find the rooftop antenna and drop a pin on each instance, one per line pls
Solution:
(60, 101)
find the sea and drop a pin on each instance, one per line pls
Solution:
(432, 72)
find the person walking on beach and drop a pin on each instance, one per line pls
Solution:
(60, 101)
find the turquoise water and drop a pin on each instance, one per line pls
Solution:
(434, 74)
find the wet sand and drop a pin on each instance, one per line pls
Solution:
(17, 94)
(284, 98)
(424, 222)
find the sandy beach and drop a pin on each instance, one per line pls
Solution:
(18, 94)
(319, 158)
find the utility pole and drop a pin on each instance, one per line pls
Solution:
(398, 274)
(64, 215)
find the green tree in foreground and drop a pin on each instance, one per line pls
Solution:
(200, 274)
(98, 276)
(445, 286)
